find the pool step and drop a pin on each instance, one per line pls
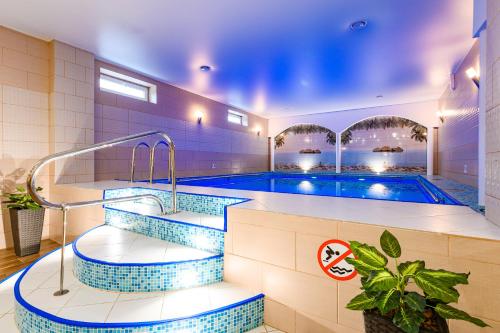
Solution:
(114, 259)
(219, 307)
(185, 228)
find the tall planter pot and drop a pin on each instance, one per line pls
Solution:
(376, 323)
(27, 226)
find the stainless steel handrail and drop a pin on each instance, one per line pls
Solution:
(152, 160)
(64, 207)
(132, 163)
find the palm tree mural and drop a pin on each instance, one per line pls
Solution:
(279, 140)
(419, 132)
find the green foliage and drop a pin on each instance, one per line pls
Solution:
(22, 200)
(386, 291)
(390, 245)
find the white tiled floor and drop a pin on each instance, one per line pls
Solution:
(84, 303)
(112, 244)
(152, 209)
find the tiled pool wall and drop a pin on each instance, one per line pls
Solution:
(199, 237)
(197, 203)
(239, 318)
(148, 278)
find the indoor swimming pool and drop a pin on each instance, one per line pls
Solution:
(393, 188)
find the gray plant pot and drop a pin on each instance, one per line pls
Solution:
(27, 226)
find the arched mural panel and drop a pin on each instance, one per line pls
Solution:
(305, 147)
(385, 144)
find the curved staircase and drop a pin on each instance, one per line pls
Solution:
(141, 272)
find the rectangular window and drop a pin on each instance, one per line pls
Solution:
(124, 85)
(237, 118)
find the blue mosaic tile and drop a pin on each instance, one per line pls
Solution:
(198, 237)
(238, 318)
(197, 203)
(148, 278)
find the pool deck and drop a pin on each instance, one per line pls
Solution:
(445, 219)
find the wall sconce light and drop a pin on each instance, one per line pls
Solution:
(440, 115)
(258, 129)
(199, 116)
(473, 75)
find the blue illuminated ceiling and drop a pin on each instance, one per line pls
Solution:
(272, 57)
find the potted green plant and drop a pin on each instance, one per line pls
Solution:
(26, 218)
(387, 303)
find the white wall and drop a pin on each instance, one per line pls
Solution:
(338, 121)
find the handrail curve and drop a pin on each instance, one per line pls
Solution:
(132, 162)
(31, 181)
(152, 160)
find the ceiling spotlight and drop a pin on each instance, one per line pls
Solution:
(205, 68)
(358, 25)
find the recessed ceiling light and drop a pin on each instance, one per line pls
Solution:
(205, 68)
(358, 25)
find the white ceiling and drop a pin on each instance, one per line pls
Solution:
(271, 57)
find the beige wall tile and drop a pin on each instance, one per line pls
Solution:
(303, 224)
(38, 82)
(13, 40)
(64, 85)
(306, 252)
(13, 77)
(268, 245)
(429, 242)
(458, 326)
(279, 316)
(38, 48)
(300, 291)
(475, 249)
(481, 297)
(74, 71)
(349, 318)
(84, 58)
(64, 51)
(309, 323)
(244, 272)
(25, 62)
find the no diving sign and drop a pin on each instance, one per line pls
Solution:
(331, 259)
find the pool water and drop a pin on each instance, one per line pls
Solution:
(394, 188)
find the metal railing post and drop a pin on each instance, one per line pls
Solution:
(61, 290)
(173, 180)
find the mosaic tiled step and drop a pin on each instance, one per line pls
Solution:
(215, 308)
(196, 203)
(175, 228)
(115, 259)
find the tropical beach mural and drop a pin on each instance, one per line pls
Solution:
(305, 148)
(385, 144)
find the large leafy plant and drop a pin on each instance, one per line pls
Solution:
(21, 199)
(386, 291)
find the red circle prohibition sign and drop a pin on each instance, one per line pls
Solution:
(335, 265)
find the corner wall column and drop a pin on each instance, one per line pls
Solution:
(430, 151)
(481, 158)
(338, 152)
